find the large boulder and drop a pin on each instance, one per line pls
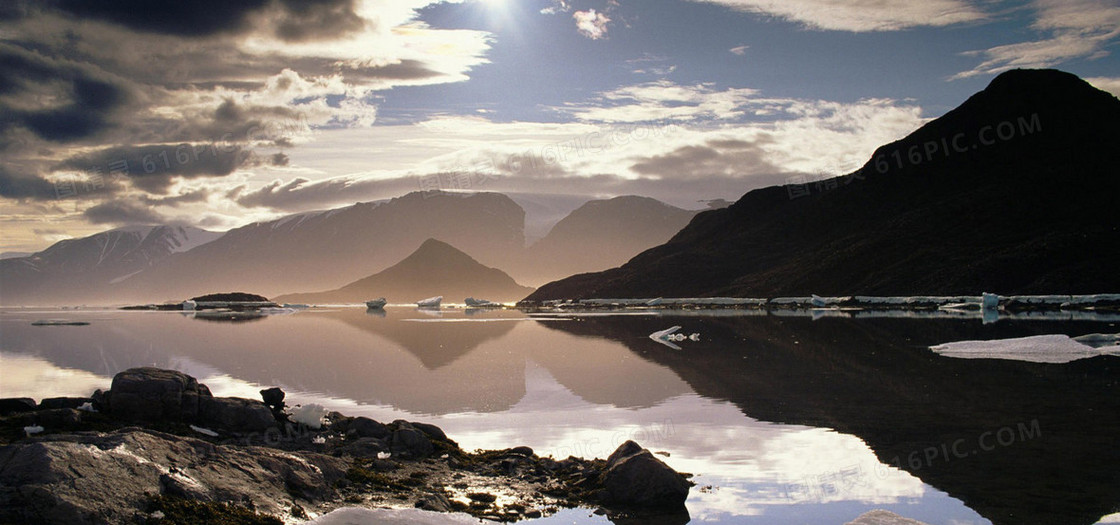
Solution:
(365, 427)
(235, 413)
(15, 405)
(154, 394)
(410, 442)
(635, 478)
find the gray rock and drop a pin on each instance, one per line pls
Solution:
(63, 402)
(235, 414)
(365, 447)
(635, 478)
(410, 442)
(434, 502)
(154, 394)
(432, 431)
(368, 428)
(89, 478)
(522, 451)
(273, 397)
(15, 405)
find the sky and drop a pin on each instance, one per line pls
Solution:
(218, 113)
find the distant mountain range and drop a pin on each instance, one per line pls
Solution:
(601, 234)
(1015, 192)
(79, 270)
(328, 249)
(435, 268)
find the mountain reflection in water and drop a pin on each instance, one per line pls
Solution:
(785, 419)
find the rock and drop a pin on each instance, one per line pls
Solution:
(273, 397)
(235, 414)
(154, 394)
(14, 405)
(523, 451)
(624, 450)
(93, 478)
(63, 402)
(410, 442)
(368, 428)
(177, 484)
(434, 502)
(432, 431)
(366, 447)
(635, 478)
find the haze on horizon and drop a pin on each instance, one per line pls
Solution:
(216, 114)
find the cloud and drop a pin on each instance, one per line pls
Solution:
(591, 24)
(861, 15)
(121, 212)
(739, 50)
(289, 20)
(301, 194)
(259, 73)
(54, 98)
(1109, 84)
(664, 100)
(728, 158)
(17, 186)
(1072, 29)
(154, 168)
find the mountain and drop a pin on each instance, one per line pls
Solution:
(80, 270)
(324, 250)
(601, 234)
(435, 268)
(1013, 192)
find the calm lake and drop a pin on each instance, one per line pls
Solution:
(785, 419)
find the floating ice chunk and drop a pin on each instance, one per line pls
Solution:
(666, 337)
(384, 455)
(204, 431)
(1034, 349)
(989, 301)
(312, 415)
(817, 301)
(33, 429)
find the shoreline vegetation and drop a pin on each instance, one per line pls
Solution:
(157, 447)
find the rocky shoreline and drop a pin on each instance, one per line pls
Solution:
(159, 448)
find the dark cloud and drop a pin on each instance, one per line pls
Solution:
(289, 20)
(189, 19)
(56, 99)
(154, 168)
(16, 186)
(122, 213)
(303, 20)
(717, 157)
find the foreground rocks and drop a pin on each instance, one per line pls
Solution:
(158, 443)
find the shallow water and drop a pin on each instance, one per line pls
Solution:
(783, 419)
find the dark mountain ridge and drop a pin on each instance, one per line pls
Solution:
(1013, 192)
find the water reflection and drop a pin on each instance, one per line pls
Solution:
(783, 419)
